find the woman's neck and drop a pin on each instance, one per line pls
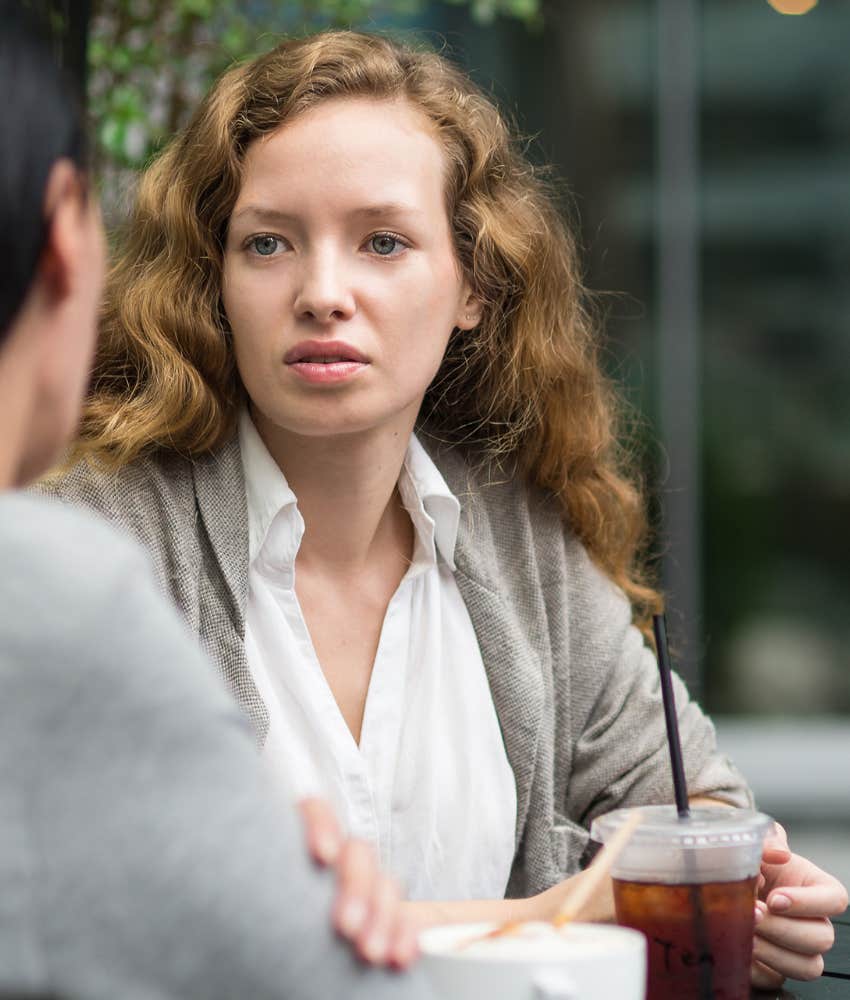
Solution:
(22, 414)
(347, 493)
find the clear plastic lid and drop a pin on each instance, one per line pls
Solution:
(712, 844)
(705, 827)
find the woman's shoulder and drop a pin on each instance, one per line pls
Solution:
(145, 489)
(512, 528)
(152, 499)
(495, 492)
(168, 501)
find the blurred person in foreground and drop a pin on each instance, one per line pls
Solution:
(348, 394)
(142, 850)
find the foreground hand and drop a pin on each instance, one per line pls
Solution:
(368, 911)
(795, 900)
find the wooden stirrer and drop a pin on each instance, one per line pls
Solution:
(594, 876)
(596, 872)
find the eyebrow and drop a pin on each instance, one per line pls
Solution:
(386, 208)
(262, 214)
(275, 216)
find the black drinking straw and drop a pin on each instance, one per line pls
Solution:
(680, 787)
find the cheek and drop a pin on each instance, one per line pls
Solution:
(230, 296)
(426, 297)
(251, 361)
(244, 312)
(420, 351)
(431, 311)
(245, 291)
(255, 301)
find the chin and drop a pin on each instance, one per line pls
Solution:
(329, 421)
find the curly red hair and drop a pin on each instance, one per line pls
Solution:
(525, 385)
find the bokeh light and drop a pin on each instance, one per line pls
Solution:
(793, 6)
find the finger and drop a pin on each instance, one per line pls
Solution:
(373, 942)
(775, 855)
(764, 978)
(826, 898)
(778, 835)
(775, 850)
(404, 941)
(357, 870)
(786, 963)
(805, 935)
(324, 837)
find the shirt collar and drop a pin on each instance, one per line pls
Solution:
(266, 489)
(433, 508)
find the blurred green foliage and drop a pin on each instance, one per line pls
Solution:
(151, 60)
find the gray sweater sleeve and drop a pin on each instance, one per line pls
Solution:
(620, 750)
(146, 853)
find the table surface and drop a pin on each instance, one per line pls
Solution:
(835, 982)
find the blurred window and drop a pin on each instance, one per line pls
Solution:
(760, 599)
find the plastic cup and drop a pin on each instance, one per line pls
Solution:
(689, 885)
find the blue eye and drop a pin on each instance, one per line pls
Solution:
(383, 244)
(265, 246)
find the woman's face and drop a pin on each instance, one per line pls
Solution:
(340, 280)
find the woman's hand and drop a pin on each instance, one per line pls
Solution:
(368, 911)
(795, 900)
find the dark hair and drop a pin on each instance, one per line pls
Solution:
(40, 123)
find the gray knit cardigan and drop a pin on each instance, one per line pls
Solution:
(575, 688)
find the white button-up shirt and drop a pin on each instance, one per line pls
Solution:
(429, 785)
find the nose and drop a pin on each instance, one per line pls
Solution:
(324, 291)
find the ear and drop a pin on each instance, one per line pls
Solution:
(470, 311)
(64, 209)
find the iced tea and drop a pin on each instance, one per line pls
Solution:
(699, 937)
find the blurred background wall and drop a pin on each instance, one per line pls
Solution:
(704, 147)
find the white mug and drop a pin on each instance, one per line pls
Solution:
(581, 962)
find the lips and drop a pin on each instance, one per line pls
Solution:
(325, 362)
(328, 352)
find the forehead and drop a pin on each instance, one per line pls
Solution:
(348, 149)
